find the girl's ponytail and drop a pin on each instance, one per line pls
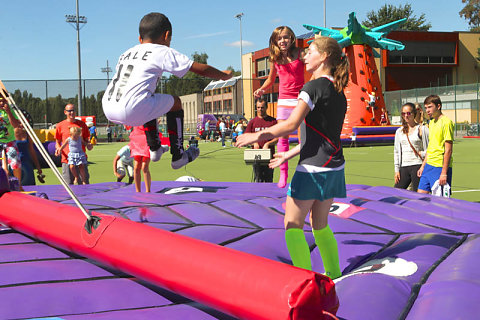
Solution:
(341, 73)
(337, 61)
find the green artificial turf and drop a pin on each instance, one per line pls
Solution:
(365, 165)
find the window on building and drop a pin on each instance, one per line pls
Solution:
(408, 59)
(271, 97)
(424, 53)
(227, 104)
(421, 59)
(263, 67)
(216, 106)
(448, 59)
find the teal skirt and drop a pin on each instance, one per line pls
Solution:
(320, 186)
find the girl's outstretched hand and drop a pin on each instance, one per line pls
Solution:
(258, 93)
(277, 160)
(246, 139)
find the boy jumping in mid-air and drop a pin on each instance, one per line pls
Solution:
(130, 98)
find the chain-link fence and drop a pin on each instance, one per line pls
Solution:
(45, 100)
(460, 103)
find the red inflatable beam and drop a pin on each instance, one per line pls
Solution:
(234, 282)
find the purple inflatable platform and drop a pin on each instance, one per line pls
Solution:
(403, 255)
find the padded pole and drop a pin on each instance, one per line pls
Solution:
(237, 283)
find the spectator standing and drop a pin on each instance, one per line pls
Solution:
(411, 141)
(62, 133)
(420, 117)
(28, 155)
(222, 127)
(207, 130)
(77, 160)
(109, 133)
(93, 133)
(436, 170)
(8, 124)
(262, 173)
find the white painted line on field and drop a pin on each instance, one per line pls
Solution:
(473, 190)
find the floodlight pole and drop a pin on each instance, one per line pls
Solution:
(239, 17)
(107, 70)
(324, 13)
(77, 20)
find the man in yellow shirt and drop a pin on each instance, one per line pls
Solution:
(437, 165)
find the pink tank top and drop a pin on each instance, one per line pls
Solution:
(291, 78)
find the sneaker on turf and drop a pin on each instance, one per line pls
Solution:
(188, 156)
(157, 154)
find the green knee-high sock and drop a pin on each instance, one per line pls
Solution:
(327, 245)
(298, 248)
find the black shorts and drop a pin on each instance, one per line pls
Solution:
(408, 175)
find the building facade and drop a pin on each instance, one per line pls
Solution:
(223, 97)
(430, 60)
(192, 105)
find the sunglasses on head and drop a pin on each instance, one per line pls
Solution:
(406, 113)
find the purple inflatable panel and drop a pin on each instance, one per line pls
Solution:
(403, 255)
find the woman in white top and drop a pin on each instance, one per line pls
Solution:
(411, 141)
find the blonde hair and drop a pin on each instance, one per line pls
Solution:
(275, 53)
(75, 131)
(420, 117)
(337, 61)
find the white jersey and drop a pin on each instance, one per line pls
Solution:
(130, 97)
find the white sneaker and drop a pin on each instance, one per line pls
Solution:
(188, 156)
(156, 155)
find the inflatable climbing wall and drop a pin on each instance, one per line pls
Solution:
(365, 103)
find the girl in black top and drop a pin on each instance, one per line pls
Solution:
(319, 176)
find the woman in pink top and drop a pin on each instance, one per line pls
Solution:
(286, 60)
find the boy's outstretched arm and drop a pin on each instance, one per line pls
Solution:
(210, 72)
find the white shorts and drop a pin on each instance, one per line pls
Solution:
(140, 112)
(127, 167)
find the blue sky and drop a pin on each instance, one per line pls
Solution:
(37, 43)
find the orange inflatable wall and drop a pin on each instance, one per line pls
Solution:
(362, 108)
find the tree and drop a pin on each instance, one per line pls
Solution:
(191, 82)
(200, 57)
(234, 72)
(389, 13)
(471, 13)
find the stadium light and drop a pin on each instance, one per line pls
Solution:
(75, 21)
(107, 70)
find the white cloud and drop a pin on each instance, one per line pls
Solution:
(237, 44)
(207, 35)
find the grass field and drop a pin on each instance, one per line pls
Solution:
(365, 165)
